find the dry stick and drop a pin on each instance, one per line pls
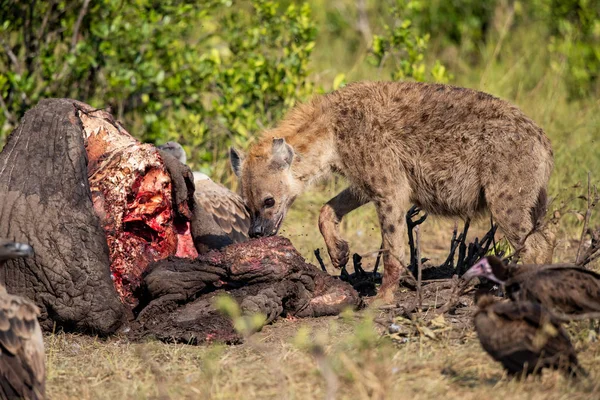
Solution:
(77, 25)
(458, 288)
(586, 220)
(462, 247)
(74, 39)
(11, 55)
(576, 317)
(320, 260)
(419, 268)
(378, 260)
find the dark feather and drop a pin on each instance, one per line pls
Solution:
(22, 370)
(524, 337)
(565, 290)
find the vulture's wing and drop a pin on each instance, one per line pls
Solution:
(534, 322)
(227, 208)
(565, 290)
(503, 330)
(22, 370)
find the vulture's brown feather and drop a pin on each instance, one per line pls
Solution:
(22, 369)
(229, 218)
(524, 337)
(567, 291)
(226, 207)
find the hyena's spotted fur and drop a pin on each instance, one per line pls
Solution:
(452, 151)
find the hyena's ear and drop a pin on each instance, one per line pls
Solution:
(283, 154)
(236, 157)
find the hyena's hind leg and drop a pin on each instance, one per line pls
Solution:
(519, 216)
(392, 220)
(329, 220)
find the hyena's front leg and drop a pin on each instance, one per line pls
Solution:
(329, 221)
(391, 212)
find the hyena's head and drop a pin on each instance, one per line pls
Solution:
(267, 184)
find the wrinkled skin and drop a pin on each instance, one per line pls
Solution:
(266, 276)
(46, 202)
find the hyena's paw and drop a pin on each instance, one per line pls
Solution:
(385, 296)
(339, 254)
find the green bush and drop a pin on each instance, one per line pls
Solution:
(404, 46)
(575, 39)
(205, 75)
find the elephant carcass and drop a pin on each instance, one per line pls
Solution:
(109, 220)
(92, 237)
(132, 193)
(266, 276)
(46, 201)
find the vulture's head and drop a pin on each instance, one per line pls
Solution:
(490, 267)
(10, 249)
(199, 177)
(174, 149)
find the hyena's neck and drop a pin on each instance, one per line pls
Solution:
(306, 129)
(314, 158)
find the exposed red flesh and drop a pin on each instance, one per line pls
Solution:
(132, 196)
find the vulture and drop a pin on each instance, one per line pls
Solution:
(229, 219)
(524, 337)
(22, 369)
(567, 291)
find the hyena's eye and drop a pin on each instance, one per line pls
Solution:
(269, 202)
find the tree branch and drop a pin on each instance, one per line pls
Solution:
(77, 25)
(13, 58)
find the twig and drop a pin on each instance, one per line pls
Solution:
(586, 221)
(453, 245)
(414, 210)
(320, 260)
(462, 247)
(378, 260)
(593, 252)
(419, 269)
(42, 28)
(58, 77)
(357, 262)
(575, 317)
(13, 58)
(363, 21)
(331, 380)
(458, 288)
(77, 25)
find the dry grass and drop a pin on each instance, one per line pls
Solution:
(279, 364)
(283, 360)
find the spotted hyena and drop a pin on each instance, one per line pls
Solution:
(452, 151)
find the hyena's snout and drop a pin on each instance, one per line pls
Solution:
(256, 230)
(261, 227)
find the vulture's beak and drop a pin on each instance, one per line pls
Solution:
(478, 269)
(10, 250)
